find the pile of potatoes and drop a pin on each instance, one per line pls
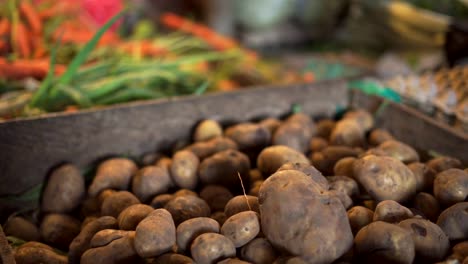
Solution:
(275, 191)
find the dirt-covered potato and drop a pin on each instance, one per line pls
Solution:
(64, 191)
(301, 219)
(209, 248)
(359, 217)
(308, 170)
(183, 208)
(188, 230)
(344, 184)
(115, 203)
(385, 178)
(21, 228)
(172, 258)
(381, 242)
(258, 251)
(428, 205)
(344, 167)
(362, 117)
(241, 203)
(131, 216)
(454, 221)
(224, 168)
(443, 163)
(184, 168)
(113, 173)
(233, 261)
(249, 136)
(241, 228)
(216, 196)
(424, 176)
(325, 160)
(347, 132)
(117, 248)
(150, 181)
(155, 235)
(207, 148)
(271, 124)
(317, 144)
(82, 242)
(399, 151)
(219, 217)
(295, 132)
(451, 186)
(430, 242)
(391, 212)
(273, 157)
(184, 192)
(345, 200)
(59, 230)
(35, 252)
(206, 130)
(378, 136)
(324, 128)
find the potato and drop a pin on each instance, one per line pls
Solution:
(165, 163)
(113, 173)
(241, 203)
(21, 228)
(381, 242)
(105, 236)
(255, 175)
(308, 170)
(443, 163)
(454, 221)
(88, 220)
(378, 136)
(207, 148)
(427, 205)
(461, 250)
(210, 248)
(430, 242)
(219, 216)
(317, 144)
(206, 130)
(188, 230)
(301, 219)
(359, 217)
(150, 181)
(399, 151)
(255, 188)
(344, 167)
(216, 196)
(391, 212)
(91, 206)
(232, 261)
(295, 132)
(82, 242)
(119, 249)
(362, 117)
(347, 132)
(35, 252)
(155, 235)
(424, 176)
(258, 251)
(184, 169)
(159, 201)
(131, 216)
(64, 191)
(186, 207)
(59, 230)
(385, 178)
(344, 184)
(271, 124)
(224, 168)
(451, 186)
(325, 160)
(272, 158)
(345, 200)
(115, 203)
(185, 192)
(249, 136)
(172, 258)
(324, 128)
(241, 228)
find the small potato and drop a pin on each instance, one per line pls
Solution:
(207, 148)
(391, 212)
(399, 151)
(105, 236)
(378, 136)
(216, 196)
(271, 124)
(184, 169)
(295, 132)
(430, 242)
(381, 242)
(164, 163)
(441, 164)
(344, 184)
(206, 130)
(344, 167)
(88, 220)
(115, 203)
(233, 261)
(272, 158)
(155, 235)
(362, 117)
(240, 204)
(325, 160)
(35, 252)
(428, 205)
(91, 206)
(188, 230)
(59, 230)
(345, 200)
(120, 249)
(317, 144)
(255, 188)
(183, 208)
(64, 191)
(159, 201)
(249, 136)
(347, 132)
(219, 216)
(454, 221)
(210, 248)
(172, 258)
(82, 242)
(241, 228)
(359, 217)
(461, 249)
(184, 192)
(113, 173)
(258, 251)
(21, 228)
(451, 186)
(308, 170)
(255, 175)
(424, 176)
(150, 181)
(131, 216)
(324, 128)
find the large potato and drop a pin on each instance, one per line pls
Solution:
(207, 148)
(272, 158)
(186, 207)
(258, 251)
(131, 216)
(308, 170)
(206, 130)
(295, 132)
(35, 252)
(150, 181)
(113, 173)
(59, 230)
(64, 191)
(184, 168)
(241, 228)
(188, 230)
(399, 151)
(116, 202)
(216, 196)
(241, 203)
(454, 221)
(301, 219)
(117, 249)
(451, 186)
(209, 248)
(21, 228)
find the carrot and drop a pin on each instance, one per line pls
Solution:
(13, 71)
(22, 42)
(5, 26)
(3, 45)
(31, 15)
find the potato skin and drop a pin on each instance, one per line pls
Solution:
(308, 170)
(241, 228)
(324, 128)
(347, 132)
(184, 168)
(59, 230)
(35, 252)
(155, 235)
(428, 205)
(240, 204)
(172, 258)
(207, 148)
(210, 248)
(344, 167)
(451, 186)
(362, 117)
(113, 173)
(186, 207)
(399, 151)
(325, 160)
(22, 228)
(116, 202)
(391, 212)
(424, 176)
(64, 191)
(216, 196)
(159, 201)
(317, 144)
(359, 217)
(206, 130)
(131, 216)
(273, 157)
(150, 181)
(188, 230)
(378, 136)
(249, 136)
(258, 251)
(441, 164)
(454, 221)
(271, 124)
(295, 132)
(119, 250)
